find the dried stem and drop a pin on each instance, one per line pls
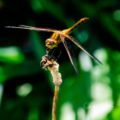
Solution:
(53, 67)
(55, 100)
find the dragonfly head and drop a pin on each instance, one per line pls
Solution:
(51, 43)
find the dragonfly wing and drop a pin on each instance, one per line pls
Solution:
(78, 45)
(25, 26)
(68, 52)
(32, 28)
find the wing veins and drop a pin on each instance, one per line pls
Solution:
(79, 46)
(32, 28)
(68, 52)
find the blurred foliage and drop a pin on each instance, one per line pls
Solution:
(26, 90)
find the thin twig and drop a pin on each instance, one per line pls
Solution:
(53, 67)
(55, 100)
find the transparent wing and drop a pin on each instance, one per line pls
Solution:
(32, 28)
(78, 45)
(68, 52)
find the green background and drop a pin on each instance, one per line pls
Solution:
(26, 90)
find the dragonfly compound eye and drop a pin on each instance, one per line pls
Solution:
(51, 43)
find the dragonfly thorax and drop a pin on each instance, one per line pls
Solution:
(51, 43)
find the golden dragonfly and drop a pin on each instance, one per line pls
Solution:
(59, 36)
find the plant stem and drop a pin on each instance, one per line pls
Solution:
(53, 67)
(55, 100)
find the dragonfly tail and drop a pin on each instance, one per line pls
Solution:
(82, 20)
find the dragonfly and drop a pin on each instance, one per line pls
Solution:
(60, 36)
